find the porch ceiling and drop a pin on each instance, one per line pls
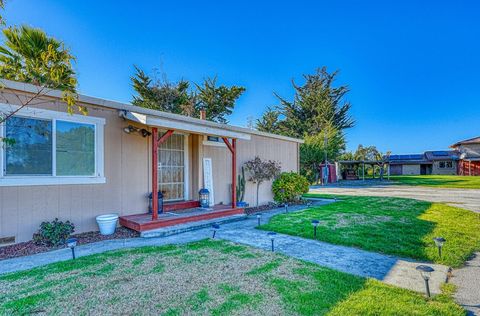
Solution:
(177, 125)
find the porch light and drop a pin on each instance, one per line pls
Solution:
(425, 272)
(204, 198)
(72, 243)
(272, 235)
(315, 224)
(259, 216)
(439, 241)
(215, 228)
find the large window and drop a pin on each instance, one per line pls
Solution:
(47, 147)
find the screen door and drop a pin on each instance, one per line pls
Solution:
(171, 168)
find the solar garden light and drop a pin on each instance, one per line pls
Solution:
(259, 216)
(425, 272)
(286, 207)
(315, 224)
(272, 238)
(439, 241)
(72, 243)
(215, 228)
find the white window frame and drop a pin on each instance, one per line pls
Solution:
(36, 113)
(208, 142)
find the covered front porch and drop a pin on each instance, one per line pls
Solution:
(180, 167)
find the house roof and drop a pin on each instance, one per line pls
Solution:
(442, 155)
(412, 159)
(475, 140)
(153, 114)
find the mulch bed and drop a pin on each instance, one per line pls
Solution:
(30, 248)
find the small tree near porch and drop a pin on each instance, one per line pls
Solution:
(260, 171)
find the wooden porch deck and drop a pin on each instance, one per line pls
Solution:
(144, 222)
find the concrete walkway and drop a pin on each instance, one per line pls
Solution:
(467, 278)
(389, 269)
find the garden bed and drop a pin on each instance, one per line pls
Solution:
(30, 248)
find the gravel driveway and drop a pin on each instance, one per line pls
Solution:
(467, 278)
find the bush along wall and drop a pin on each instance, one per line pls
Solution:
(289, 187)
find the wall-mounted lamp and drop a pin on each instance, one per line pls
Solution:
(132, 129)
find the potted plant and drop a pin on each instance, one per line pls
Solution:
(107, 223)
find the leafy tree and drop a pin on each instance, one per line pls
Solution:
(269, 122)
(318, 108)
(179, 98)
(162, 95)
(29, 55)
(316, 104)
(217, 101)
(312, 152)
(259, 171)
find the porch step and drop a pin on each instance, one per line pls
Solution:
(182, 228)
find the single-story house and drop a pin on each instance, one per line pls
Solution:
(76, 167)
(430, 162)
(469, 153)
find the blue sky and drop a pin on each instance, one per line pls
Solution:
(412, 66)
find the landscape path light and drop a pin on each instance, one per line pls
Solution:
(439, 241)
(259, 216)
(215, 228)
(315, 223)
(72, 243)
(272, 235)
(286, 207)
(425, 272)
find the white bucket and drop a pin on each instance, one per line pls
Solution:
(107, 223)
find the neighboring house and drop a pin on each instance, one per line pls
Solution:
(469, 153)
(430, 162)
(76, 167)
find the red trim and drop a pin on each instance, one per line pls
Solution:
(142, 222)
(233, 149)
(234, 173)
(165, 136)
(225, 140)
(154, 173)
(173, 206)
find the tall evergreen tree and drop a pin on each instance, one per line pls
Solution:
(217, 101)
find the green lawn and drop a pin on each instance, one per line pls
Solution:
(463, 182)
(397, 226)
(205, 278)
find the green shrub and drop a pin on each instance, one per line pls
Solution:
(53, 233)
(289, 187)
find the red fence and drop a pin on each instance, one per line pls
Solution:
(469, 168)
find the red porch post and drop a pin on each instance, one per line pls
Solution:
(154, 173)
(155, 143)
(233, 149)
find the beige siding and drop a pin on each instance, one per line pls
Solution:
(443, 171)
(411, 169)
(23, 208)
(128, 179)
(266, 148)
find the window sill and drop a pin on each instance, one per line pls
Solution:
(211, 143)
(26, 181)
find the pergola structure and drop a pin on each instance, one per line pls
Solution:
(362, 163)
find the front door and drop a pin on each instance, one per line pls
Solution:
(171, 168)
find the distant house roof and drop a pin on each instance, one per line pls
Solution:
(442, 155)
(413, 159)
(475, 140)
